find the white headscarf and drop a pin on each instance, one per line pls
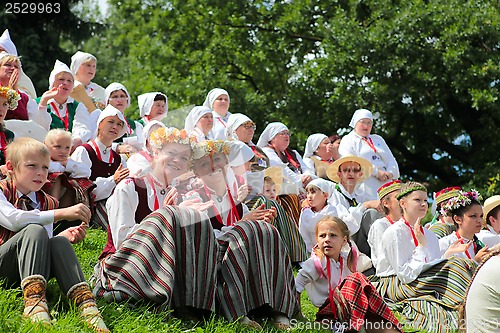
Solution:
(212, 96)
(59, 67)
(271, 130)
(79, 58)
(312, 144)
(110, 111)
(194, 116)
(147, 128)
(234, 121)
(7, 44)
(114, 87)
(239, 154)
(324, 185)
(146, 102)
(360, 114)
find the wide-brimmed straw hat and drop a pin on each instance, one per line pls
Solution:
(490, 204)
(366, 167)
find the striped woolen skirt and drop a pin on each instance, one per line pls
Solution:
(255, 270)
(430, 302)
(441, 229)
(170, 260)
(292, 206)
(287, 228)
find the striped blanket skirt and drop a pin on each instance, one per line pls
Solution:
(255, 270)
(358, 297)
(441, 229)
(292, 206)
(430, 302)
(287, 228)
(170, 260)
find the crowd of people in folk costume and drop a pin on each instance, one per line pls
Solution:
(202, 220)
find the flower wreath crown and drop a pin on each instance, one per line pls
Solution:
(463, 199)
(162, 136)
(210, 147)
(11, 95)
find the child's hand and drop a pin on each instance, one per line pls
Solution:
(72, 213)
(3, 170)
(419, 233)
(172, 197)
(243, 192)
(120, 174)
(260, 214)
(457, 247)
(75, 234)
(482, 253)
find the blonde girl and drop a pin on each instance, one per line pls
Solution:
(344, 297)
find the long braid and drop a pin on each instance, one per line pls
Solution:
(461, 308)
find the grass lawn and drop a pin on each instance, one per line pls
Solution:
(119, 317)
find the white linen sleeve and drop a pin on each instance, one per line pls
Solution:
(15, 219)
(307, 274)
(407, 266)
(121, 206)
(391, 165)
(39, 115)
(77, 169)
(346, 146)
(82, 126)
(310, 165)
(305, 169)
(56, 167)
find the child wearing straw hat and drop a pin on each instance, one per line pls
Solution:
(490, 235)
(349, 172)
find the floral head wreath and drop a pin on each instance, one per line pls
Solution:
(210, 147)
(11, 95)
(162, 136)
(463, 199)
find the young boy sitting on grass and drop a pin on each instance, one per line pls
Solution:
(29, 255)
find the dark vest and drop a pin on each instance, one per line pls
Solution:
(21, 112)
(211, 211)
(100, 168)
(46, 201)
(140, 214)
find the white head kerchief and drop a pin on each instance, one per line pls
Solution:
(360, 114)
(7, 44)
(212, 96)
(239, 154)
(271, 130)
(79, 58)
(312, 144)
(324, 185)
(59, 67)
(234, 121)
(194, 116)
(146, 102)
(114, 87)
(110, 111)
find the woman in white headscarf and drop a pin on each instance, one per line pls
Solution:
(319, 154)
(152, 106)
(83, 66)
(199, 123)
(274, 141)
(217, 100)
(359, 142)
(242, 128)
(117, 95)
(24, 83)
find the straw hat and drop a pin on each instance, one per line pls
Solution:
(366, 167)
(490, 204)
(276, 174)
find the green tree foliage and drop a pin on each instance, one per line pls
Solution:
(38, 36)
(429, 69)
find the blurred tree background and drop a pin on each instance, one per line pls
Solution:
(429, 70)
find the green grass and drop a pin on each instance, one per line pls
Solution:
(120, 317)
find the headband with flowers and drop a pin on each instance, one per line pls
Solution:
(11, 95)
(162, 136)
(461, 200)
(210, 147)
